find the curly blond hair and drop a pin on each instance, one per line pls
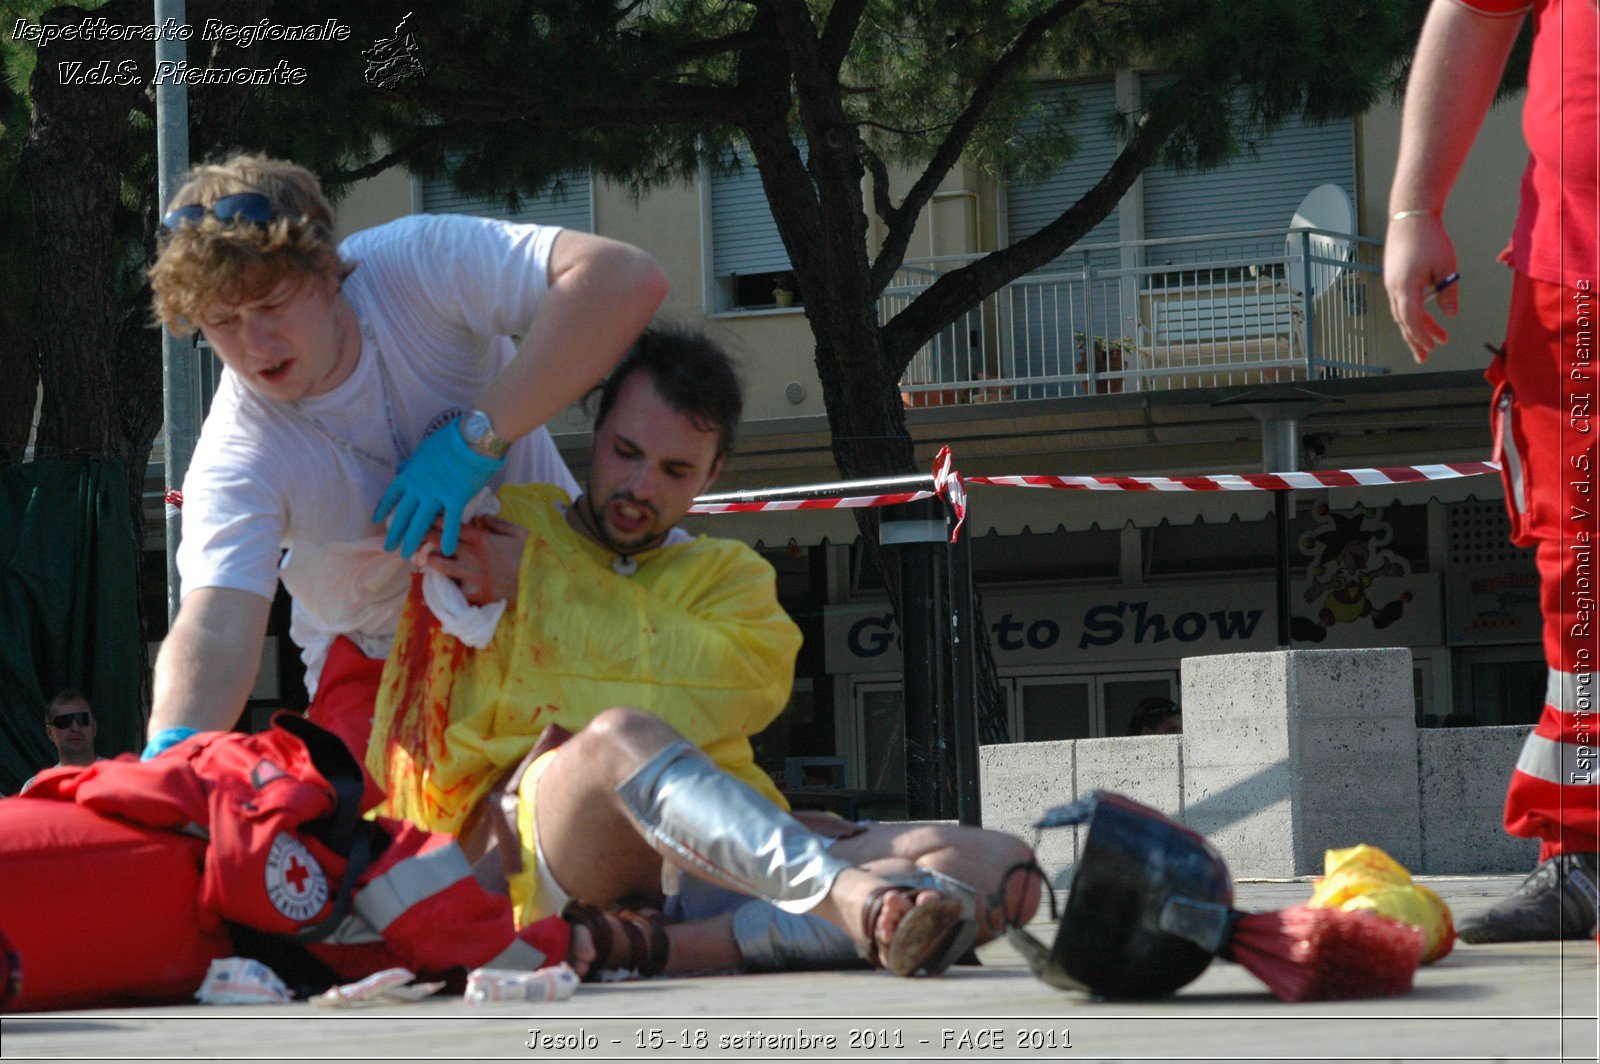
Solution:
(198, 265)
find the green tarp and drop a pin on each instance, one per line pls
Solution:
(69, 610)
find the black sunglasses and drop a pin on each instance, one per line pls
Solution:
(252, 207)
(79, 719)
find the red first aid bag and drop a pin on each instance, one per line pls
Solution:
(259, 831)
(100, 912)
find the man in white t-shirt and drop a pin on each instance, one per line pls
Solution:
(377, 379)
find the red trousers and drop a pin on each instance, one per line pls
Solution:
(1545, 429)
(347, 694)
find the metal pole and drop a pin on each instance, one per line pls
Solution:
(964, 679)
(1308, 325)
(1280, 454)
(1281, 508)
(908, 484)
(180, 403)
(917, 528)
(1279, 408)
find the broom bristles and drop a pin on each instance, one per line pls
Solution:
(1306, 954)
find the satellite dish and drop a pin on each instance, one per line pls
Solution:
(1328, 208)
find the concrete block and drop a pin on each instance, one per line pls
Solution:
(1289, 753)
(1146, 768)
(1353, 730)
(1245, 811)
(1236, 777)
(1017, 783)
(1462, 774)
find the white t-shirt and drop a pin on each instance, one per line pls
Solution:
(439, 298)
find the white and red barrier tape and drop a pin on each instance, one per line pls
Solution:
(841, 502)
(1323, 478)
(951, 485)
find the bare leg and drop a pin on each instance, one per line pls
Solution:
(598, 850)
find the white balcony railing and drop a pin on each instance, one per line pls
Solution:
(1246, 308)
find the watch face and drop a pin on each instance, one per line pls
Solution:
(478, 431)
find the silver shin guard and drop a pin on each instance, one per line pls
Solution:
(771, 940)
(726, 832)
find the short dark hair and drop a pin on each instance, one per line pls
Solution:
(1151, 711)
(691, 372)
(65, 697)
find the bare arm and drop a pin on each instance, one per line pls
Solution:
(602, 295)
(209, 660)
(1458, 64)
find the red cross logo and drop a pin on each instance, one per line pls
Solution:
(294, 880)
(297, 875)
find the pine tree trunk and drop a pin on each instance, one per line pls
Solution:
(19, 386)
(79, 132)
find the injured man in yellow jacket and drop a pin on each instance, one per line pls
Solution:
(660, 655)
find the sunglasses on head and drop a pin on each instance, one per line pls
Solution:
(79, 719)
(252, 207)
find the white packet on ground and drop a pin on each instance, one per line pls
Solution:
(390, 986)
(490, 985)
(242, 981)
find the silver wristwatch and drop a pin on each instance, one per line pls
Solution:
(477, 430)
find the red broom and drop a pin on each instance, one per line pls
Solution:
(1306, 954)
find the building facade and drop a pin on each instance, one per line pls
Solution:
(1112, 360)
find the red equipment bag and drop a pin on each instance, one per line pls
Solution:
(257, 831)
(99, 911)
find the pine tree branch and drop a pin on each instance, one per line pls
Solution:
(881, 203)
(902, 130)
(840, 31)
(672, 104)
(949, 152)
(935, 308)
(708, 48)
(430, 137)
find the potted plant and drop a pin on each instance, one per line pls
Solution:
(783, 290)
(1107, 359)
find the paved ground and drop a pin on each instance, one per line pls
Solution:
(1505, 1003)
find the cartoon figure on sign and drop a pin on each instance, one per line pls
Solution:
(1346, 559)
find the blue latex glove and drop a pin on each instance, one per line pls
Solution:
(440, 477)
(165, 739)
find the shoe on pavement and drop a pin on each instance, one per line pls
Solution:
(1559, 900)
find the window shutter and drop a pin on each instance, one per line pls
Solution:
(1259, 191)
(570, 207)
(1045, 320)
(744, 237)
(1031, 205)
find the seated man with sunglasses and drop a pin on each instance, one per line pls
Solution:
(70, 724)
(390, 376)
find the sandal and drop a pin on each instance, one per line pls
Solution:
(933, 935)
(645, 932)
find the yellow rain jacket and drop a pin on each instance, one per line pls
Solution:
(695, 637)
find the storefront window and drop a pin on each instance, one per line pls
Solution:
(1057, 709)
(1504, 685)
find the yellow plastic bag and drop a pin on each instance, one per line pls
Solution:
(1364, 877)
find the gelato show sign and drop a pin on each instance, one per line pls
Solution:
(1076, 625)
